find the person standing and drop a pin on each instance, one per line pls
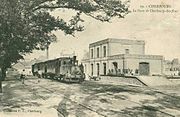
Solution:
(23, 76)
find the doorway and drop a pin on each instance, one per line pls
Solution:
(144, 68)
(97, 69)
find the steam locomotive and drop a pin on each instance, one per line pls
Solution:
(62, 69)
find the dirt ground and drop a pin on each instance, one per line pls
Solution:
(49, 98)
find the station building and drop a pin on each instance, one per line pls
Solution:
(121, 57)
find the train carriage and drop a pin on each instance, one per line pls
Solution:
(63, 69)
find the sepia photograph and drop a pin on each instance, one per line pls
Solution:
(89, 58)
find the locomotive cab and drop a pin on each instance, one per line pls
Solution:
(75, 75)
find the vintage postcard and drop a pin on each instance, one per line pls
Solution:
(89, 58)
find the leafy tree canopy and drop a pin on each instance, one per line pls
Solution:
(26, 25)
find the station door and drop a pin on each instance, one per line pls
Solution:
(144, 68)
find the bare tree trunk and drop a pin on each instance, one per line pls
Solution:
(0, 86)
(3, 74)
(1, 79)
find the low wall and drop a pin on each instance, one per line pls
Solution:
(121, 80)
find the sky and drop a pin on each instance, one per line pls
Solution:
(161, 31)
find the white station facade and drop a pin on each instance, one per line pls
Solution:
(121, 57)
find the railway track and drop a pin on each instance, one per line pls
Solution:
(65, 97)
(151, 108)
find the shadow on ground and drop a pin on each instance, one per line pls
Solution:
(19, 96)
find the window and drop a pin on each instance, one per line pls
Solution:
(104, 51)
(104, 64)
(91, 53)
(91, 69)
(97, 52)
(126, 51)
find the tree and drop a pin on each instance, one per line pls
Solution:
(26, 25)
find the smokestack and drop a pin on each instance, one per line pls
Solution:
(74, 60)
